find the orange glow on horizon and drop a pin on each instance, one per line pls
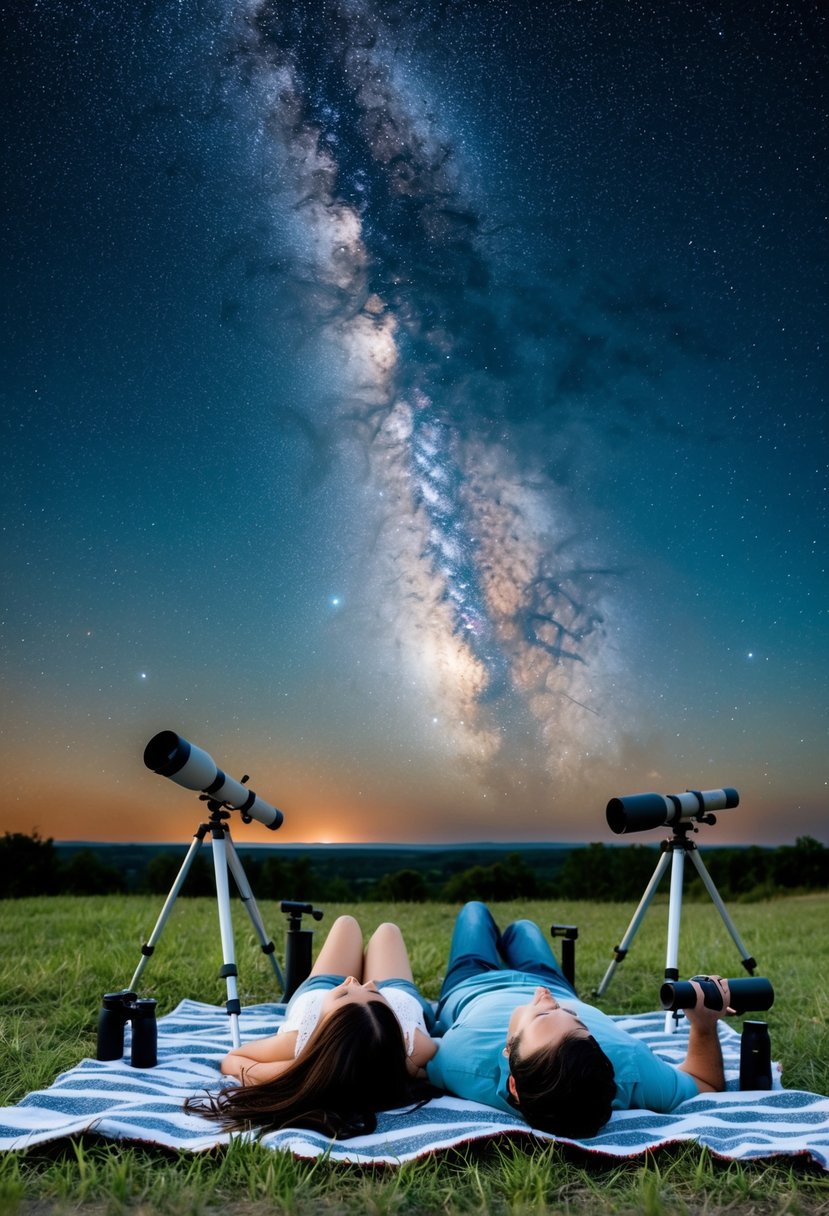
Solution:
(129, 805)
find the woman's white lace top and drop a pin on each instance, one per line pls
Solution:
(305, 1013)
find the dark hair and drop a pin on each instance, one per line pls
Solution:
(566, 1089)
(353, 1065)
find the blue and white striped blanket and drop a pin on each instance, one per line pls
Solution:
(114, 1100)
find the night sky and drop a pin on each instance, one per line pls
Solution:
(420, 407)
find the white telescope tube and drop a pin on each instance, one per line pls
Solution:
(170, 755)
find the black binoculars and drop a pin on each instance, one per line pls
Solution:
(754, 993)
(118, 1008)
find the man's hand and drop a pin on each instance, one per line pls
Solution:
(700, 1014)
(704, 1059)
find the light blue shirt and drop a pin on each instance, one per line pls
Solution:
(470, 1060)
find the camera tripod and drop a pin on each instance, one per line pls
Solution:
(674, 851)
(225, 857)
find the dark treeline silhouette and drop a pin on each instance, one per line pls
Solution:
(29, 865)
(32, 865)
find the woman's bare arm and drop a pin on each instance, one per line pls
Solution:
(253, 1072)
(250, 1062)
(424, 1049)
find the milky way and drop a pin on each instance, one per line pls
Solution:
(484, 587)
(422, 405)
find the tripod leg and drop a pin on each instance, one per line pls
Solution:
(748, 962)
(150, 944)
(228, 971)
(251, 907)
(674, 917)
(621, 950)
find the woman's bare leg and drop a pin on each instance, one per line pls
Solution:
(386, 955)
(342, 951)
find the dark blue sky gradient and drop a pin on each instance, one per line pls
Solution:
(421, 408)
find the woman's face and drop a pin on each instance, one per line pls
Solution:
(353, 992)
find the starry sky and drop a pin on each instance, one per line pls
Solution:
(418, 406)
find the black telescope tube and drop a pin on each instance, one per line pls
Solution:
(639, 812)
(755, 993)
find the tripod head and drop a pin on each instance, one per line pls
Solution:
(297, 944)
(679, 838)
(218, 811)
(296, 910)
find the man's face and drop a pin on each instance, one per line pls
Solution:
(542, 1023)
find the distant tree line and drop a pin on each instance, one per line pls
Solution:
(31, 865)
(606, 873)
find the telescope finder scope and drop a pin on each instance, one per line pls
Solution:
(639, 812)
(169, 755)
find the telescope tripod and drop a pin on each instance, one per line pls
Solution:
(674, 852)
(225, 858)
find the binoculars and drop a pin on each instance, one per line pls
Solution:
(118, 1008)
(754, 993)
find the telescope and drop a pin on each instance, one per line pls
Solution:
(681, 812)
(755, 994)
(169, 755)
(639, 812)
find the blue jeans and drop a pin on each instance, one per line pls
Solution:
(478, 946)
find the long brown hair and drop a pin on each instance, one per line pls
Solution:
(353, 1065)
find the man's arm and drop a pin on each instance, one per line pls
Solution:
(703, 1060)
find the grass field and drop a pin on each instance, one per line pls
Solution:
(57, 956)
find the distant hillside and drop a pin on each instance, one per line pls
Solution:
(358, 865)
(321, 874)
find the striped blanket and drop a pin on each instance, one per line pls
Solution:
(114, 1100)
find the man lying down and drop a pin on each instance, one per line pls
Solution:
(514, 1035)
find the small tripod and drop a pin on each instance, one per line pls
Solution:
(224, 857)
(297, 944)
(673, 852)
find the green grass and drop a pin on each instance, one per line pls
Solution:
(57, 956)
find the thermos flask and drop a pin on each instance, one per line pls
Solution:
(755, 1056)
